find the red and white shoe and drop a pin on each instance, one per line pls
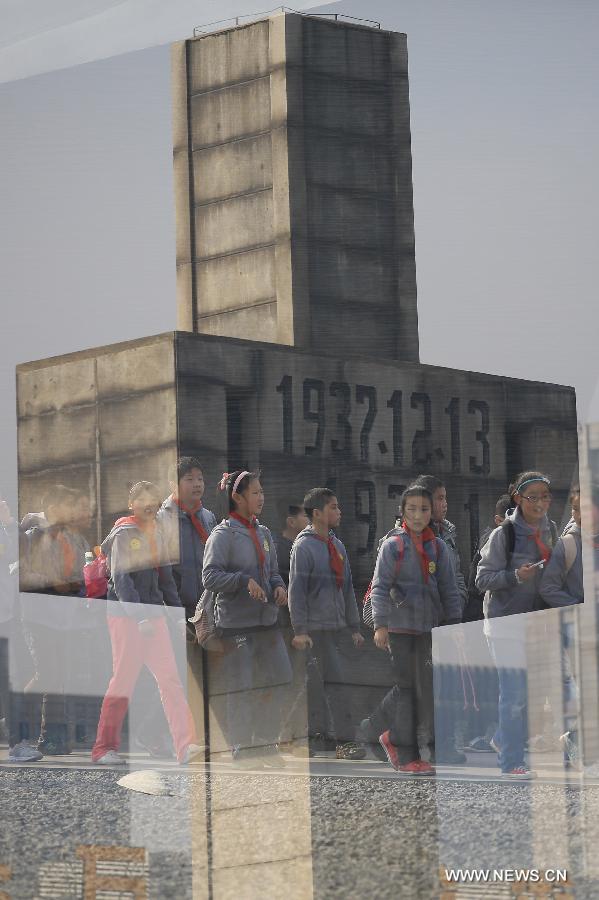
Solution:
(417, 767)
(390, 750)
(523, 773)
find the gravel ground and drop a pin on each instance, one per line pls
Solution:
(371, 837)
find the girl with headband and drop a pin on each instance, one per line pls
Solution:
(240, 568)
(509, 573)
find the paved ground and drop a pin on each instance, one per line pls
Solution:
(373, 834)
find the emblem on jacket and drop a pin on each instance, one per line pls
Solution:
(135, 544)
(432, 567)
(266, 546)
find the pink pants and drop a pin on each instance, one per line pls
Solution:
(131, 650)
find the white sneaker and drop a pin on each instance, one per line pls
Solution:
(24, 752)
(110, 758)
(192, 752)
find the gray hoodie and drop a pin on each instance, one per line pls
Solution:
(230, 560)
(401, 597)
(138, 588)
(315, 601)
(185, 549)
(449, 535)
(496, 569)
(558, 587)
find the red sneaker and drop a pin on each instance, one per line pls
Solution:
(425, 768)
(416, 767)
(390, 750)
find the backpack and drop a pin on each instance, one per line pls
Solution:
(510, 532)
(570, 549)
(96, 575)
(204, 622)
(367, 614)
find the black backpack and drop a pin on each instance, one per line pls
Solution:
(474, 606)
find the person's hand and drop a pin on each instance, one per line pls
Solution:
(5, 516)
(256, 592)
(381, 638)
(146, 628)
(357, 638)
(280, 596)
(527, 571)
(302, 642)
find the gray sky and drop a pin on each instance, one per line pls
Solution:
(505, 140)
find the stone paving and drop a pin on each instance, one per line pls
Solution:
(371, 833)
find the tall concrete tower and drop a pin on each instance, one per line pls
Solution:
(293, 183)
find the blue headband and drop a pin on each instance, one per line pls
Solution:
(540, 478)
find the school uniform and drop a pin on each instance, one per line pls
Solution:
(322, 604)
(413, 590)
(141, 588)
(447, 531)
(186, 532)
(255, 656)
(284, 546)
(505, 597)
(560, 585)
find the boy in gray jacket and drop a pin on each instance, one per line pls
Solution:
(186, 524)
(449, 700)
(322, 606)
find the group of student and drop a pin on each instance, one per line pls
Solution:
(274, 600)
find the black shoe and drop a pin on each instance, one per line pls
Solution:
(50, 747)
(450, 757)
(369, 740)
(480, 745)
(320, 743)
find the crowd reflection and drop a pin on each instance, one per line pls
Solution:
(239, 643)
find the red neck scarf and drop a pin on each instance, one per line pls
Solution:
(419, 540)
(542, 548)
(149, 530)
(335, 559)
(68, 554)
(251, 527)
(201, 531)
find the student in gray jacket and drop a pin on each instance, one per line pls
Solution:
(322, 605)
(562, 581)
(413, 590)
(240, 568)
(445, 529)
(449, 696)
(510, 573)
(141, 586)
(186, 524)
